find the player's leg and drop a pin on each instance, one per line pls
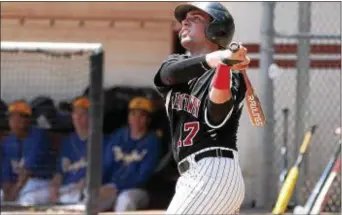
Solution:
(1, 195)
(107, 198)
(131, 200)
(223, 193)
(35, 191)
(69, 194)
(190, 185)
(183, 193)
(213, 186)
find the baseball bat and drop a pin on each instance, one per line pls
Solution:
(254, 108)
(320, 184)
(323, 196)
(255, 111)
(284, 163)
(286, 191)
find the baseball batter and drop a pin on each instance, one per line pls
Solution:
(204, 106)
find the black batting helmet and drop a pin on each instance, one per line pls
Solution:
(221, 29)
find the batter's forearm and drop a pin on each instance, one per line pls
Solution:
(220, 91)
(183, 71)
(220, 102)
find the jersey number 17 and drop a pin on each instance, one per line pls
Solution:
(192, 129)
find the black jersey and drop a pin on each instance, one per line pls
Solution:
(186, 105)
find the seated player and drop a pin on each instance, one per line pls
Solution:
(68, 183)
(134, 152)
(26, 161)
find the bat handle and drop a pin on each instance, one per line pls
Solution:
(246, 79)
(233, 47)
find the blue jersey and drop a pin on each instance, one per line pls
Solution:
(32, 153)
(72, 161)
(133, 162)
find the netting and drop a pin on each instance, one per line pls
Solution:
(27, 75)
(320, 99)
(49, 80)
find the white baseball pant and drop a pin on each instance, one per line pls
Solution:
(70, 194)
(128, 200)
(213, 185)
(39, 193)
(34, 193)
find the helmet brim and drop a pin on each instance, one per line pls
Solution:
(182, 9)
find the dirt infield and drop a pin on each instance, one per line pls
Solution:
(128, 213)
(79, 213)
(78, 209)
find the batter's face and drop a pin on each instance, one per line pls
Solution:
(80, 119)
(193, 28)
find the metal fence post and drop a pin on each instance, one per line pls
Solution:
(95, 142)
(266, 97)
(303, 87)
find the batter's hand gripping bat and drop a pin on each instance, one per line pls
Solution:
(255, 112)
(286, 191)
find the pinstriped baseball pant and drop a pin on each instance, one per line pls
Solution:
(213, 185)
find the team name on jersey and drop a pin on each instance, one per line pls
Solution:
(68, 166)
(186, 102)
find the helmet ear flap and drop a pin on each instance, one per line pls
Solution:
(218, 34)
(210, 34)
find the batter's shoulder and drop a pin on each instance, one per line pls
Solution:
(175, 57)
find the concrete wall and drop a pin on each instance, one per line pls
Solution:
(134, 47)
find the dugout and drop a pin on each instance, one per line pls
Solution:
(127, 32)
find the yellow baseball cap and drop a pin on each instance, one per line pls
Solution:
(141, 103)
(20, 107)
(81, 102)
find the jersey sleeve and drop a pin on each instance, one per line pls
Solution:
(216, 115)
(162, 88)
(179, 70)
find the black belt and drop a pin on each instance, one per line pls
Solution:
(185, 165)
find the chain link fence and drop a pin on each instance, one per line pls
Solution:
(306, 81)
(48, 76)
